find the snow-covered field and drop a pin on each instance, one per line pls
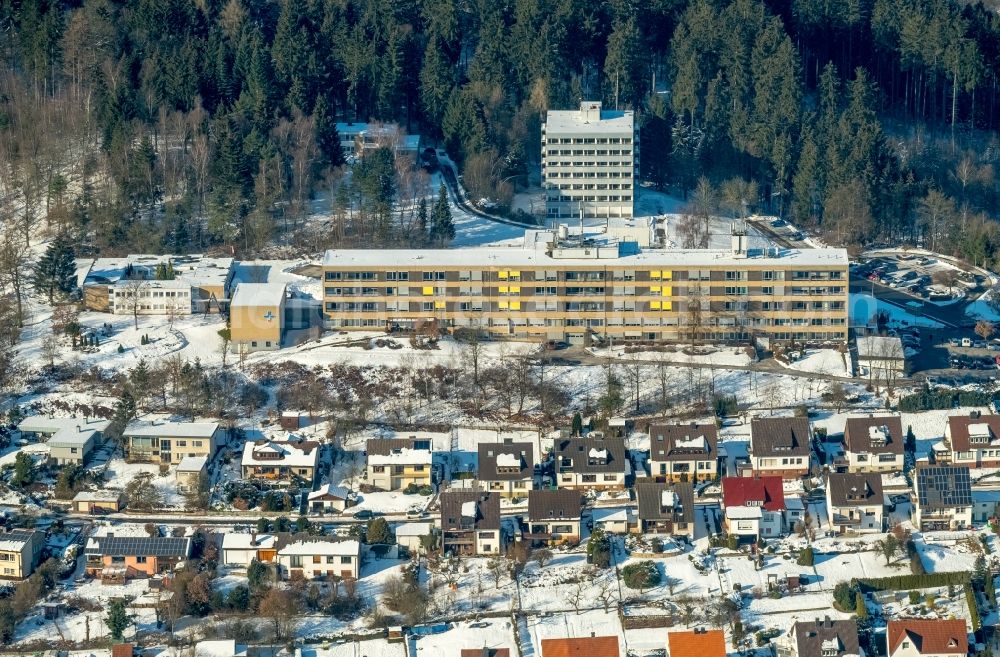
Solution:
(822, 361)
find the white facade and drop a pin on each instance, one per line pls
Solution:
(313, 559)
(589, 161)
(754, 521)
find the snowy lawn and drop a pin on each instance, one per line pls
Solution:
(821, 361)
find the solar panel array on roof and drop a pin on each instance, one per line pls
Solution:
(947, 486)
(124, 546)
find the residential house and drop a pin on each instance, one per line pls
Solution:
(220, 648)
(974, 440)
(616, 520)
(666, 508)
(73, 446)
(855, 502)
(507, 468)
(43, 427)
(397, 463)
(919, 637)
(591, 463)
(330, 499)
(780, 446)
(242, 549)
(754, 506)
(698, 642)
(135, 556)
(874, 444)
(257, 317)
(554, 515)
(592, 646)
(314, 557)
(99, 502)
(189, 473)
(470, 523)
(278, 462)
(20, 552)
(820, 638)
(410, 535)
(170, 442)
(683, 452)
(882, 358)
(942, 497)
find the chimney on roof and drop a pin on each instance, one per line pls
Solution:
(592, 634)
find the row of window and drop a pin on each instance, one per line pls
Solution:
(586, 152)
(593, 198)
(588, 140)
(554, 275)
(576, 175)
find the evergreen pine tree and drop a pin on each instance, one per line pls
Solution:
(422, 220)
(327, 137)
(56, 270)
(442, 229)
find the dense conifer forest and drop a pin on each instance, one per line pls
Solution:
(182, 125)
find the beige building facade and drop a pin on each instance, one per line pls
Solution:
(590, 158)
(557, 286)
(257, 316)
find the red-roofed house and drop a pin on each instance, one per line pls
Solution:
(974, 440)
(696, 643)
(593, 646)
(912, 637)
(754, 506)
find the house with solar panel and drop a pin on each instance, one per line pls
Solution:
(120, 558)
(943, 497)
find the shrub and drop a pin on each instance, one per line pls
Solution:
(599, 549)
(641, 575)
(844, 597)
(806, 557)
(914, 597)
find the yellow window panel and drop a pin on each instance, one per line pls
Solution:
(502, 305)
(655, 275)
(515, 290)
(668, 305)
(502, 275)
(428, 291)
(668, 275)
(503, 289)
(515, 274)
(655, 289)
(654, 305)
(515, 305)
(439, 305)
(668, 291)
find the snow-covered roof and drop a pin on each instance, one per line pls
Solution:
(334, 548)
(576, 121)
(595, 453)
(14, 541)
(694, 443)
(220, 648)
(401, 456)
(979, 430)
(172, 429)
(330, 489)
(97, 496)
(290, 453)
(414, 529)
(194, 270)
(192, 464)
(50, 425)
(71, 437)
(254, 295)
(232, 541)
(620, 514)
(668, 499)
(744, 512)
(794, 504)
(469, 509)
(879, 346)
(507, 460)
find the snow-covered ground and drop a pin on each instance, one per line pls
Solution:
(822, 361)
(702, 354)
(865, 307)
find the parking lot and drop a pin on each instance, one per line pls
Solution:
(919, 276)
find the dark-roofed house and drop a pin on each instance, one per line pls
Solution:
(666, 508)
(135, 556)
(780, 446)
(919, 637)
(855, 502)
(279, 462)
(874, 444)
(396, 463)
(942, 497)
(974, 440)
(554, 515)
(507, 469)
(820, 638)
(470, 523)
(683, 452)
(591, 463)
(754, 507)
